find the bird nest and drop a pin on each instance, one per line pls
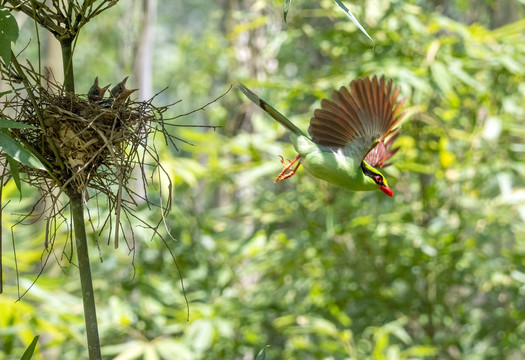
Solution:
(88, 149)
(81, 143)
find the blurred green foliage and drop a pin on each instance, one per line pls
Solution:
(315, 271)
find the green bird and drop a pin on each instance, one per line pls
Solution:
(348, 135)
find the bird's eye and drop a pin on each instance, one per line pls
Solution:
(378, 179)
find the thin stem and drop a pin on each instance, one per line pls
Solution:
(90, 313)
(67, 63)
(1, 230)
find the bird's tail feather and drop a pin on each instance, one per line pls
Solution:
(280, 118)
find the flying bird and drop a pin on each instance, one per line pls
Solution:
(96, 93)
(350, 135)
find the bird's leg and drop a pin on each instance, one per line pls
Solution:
(288, 167)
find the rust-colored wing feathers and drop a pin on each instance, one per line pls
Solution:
(381, 153)
(338, 132)
(359, 117)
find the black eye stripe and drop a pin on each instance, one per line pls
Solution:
(371, 174)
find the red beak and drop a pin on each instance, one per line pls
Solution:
(386, 190)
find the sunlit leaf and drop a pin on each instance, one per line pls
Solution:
(150, 353)
(129, 351)
(323, 326)
(168, 346)
(352, 18)
(28, 354)
(419, 351)
(201, 334)
(518, 275)
(441, 76)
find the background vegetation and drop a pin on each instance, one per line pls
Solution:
(315, 271)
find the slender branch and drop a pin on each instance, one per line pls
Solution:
(88, 297)
(1, 238)
(203, 107)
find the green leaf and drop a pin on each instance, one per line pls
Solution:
(441, 76)
(286, 6)
(201, 332)
(13, 166)
(419, 351)
(28, 354)
(322, 326)
(262, 353)
(415, 167)
(518, 275)
(5, 123)
(8, 34)
(18, 152)
(352, 17)
(2, 93)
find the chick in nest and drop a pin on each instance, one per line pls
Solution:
(96, 93)
(120, 93)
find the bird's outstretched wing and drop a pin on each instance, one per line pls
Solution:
(359, 119)
(378, 156)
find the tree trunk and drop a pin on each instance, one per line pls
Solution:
(144, 64)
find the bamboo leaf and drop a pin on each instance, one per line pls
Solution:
(18, 152)
(262, 353)
(353, 18)
(13, 166)
(28, 354)
(286, 6)
(8, 34)
(5, 123)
